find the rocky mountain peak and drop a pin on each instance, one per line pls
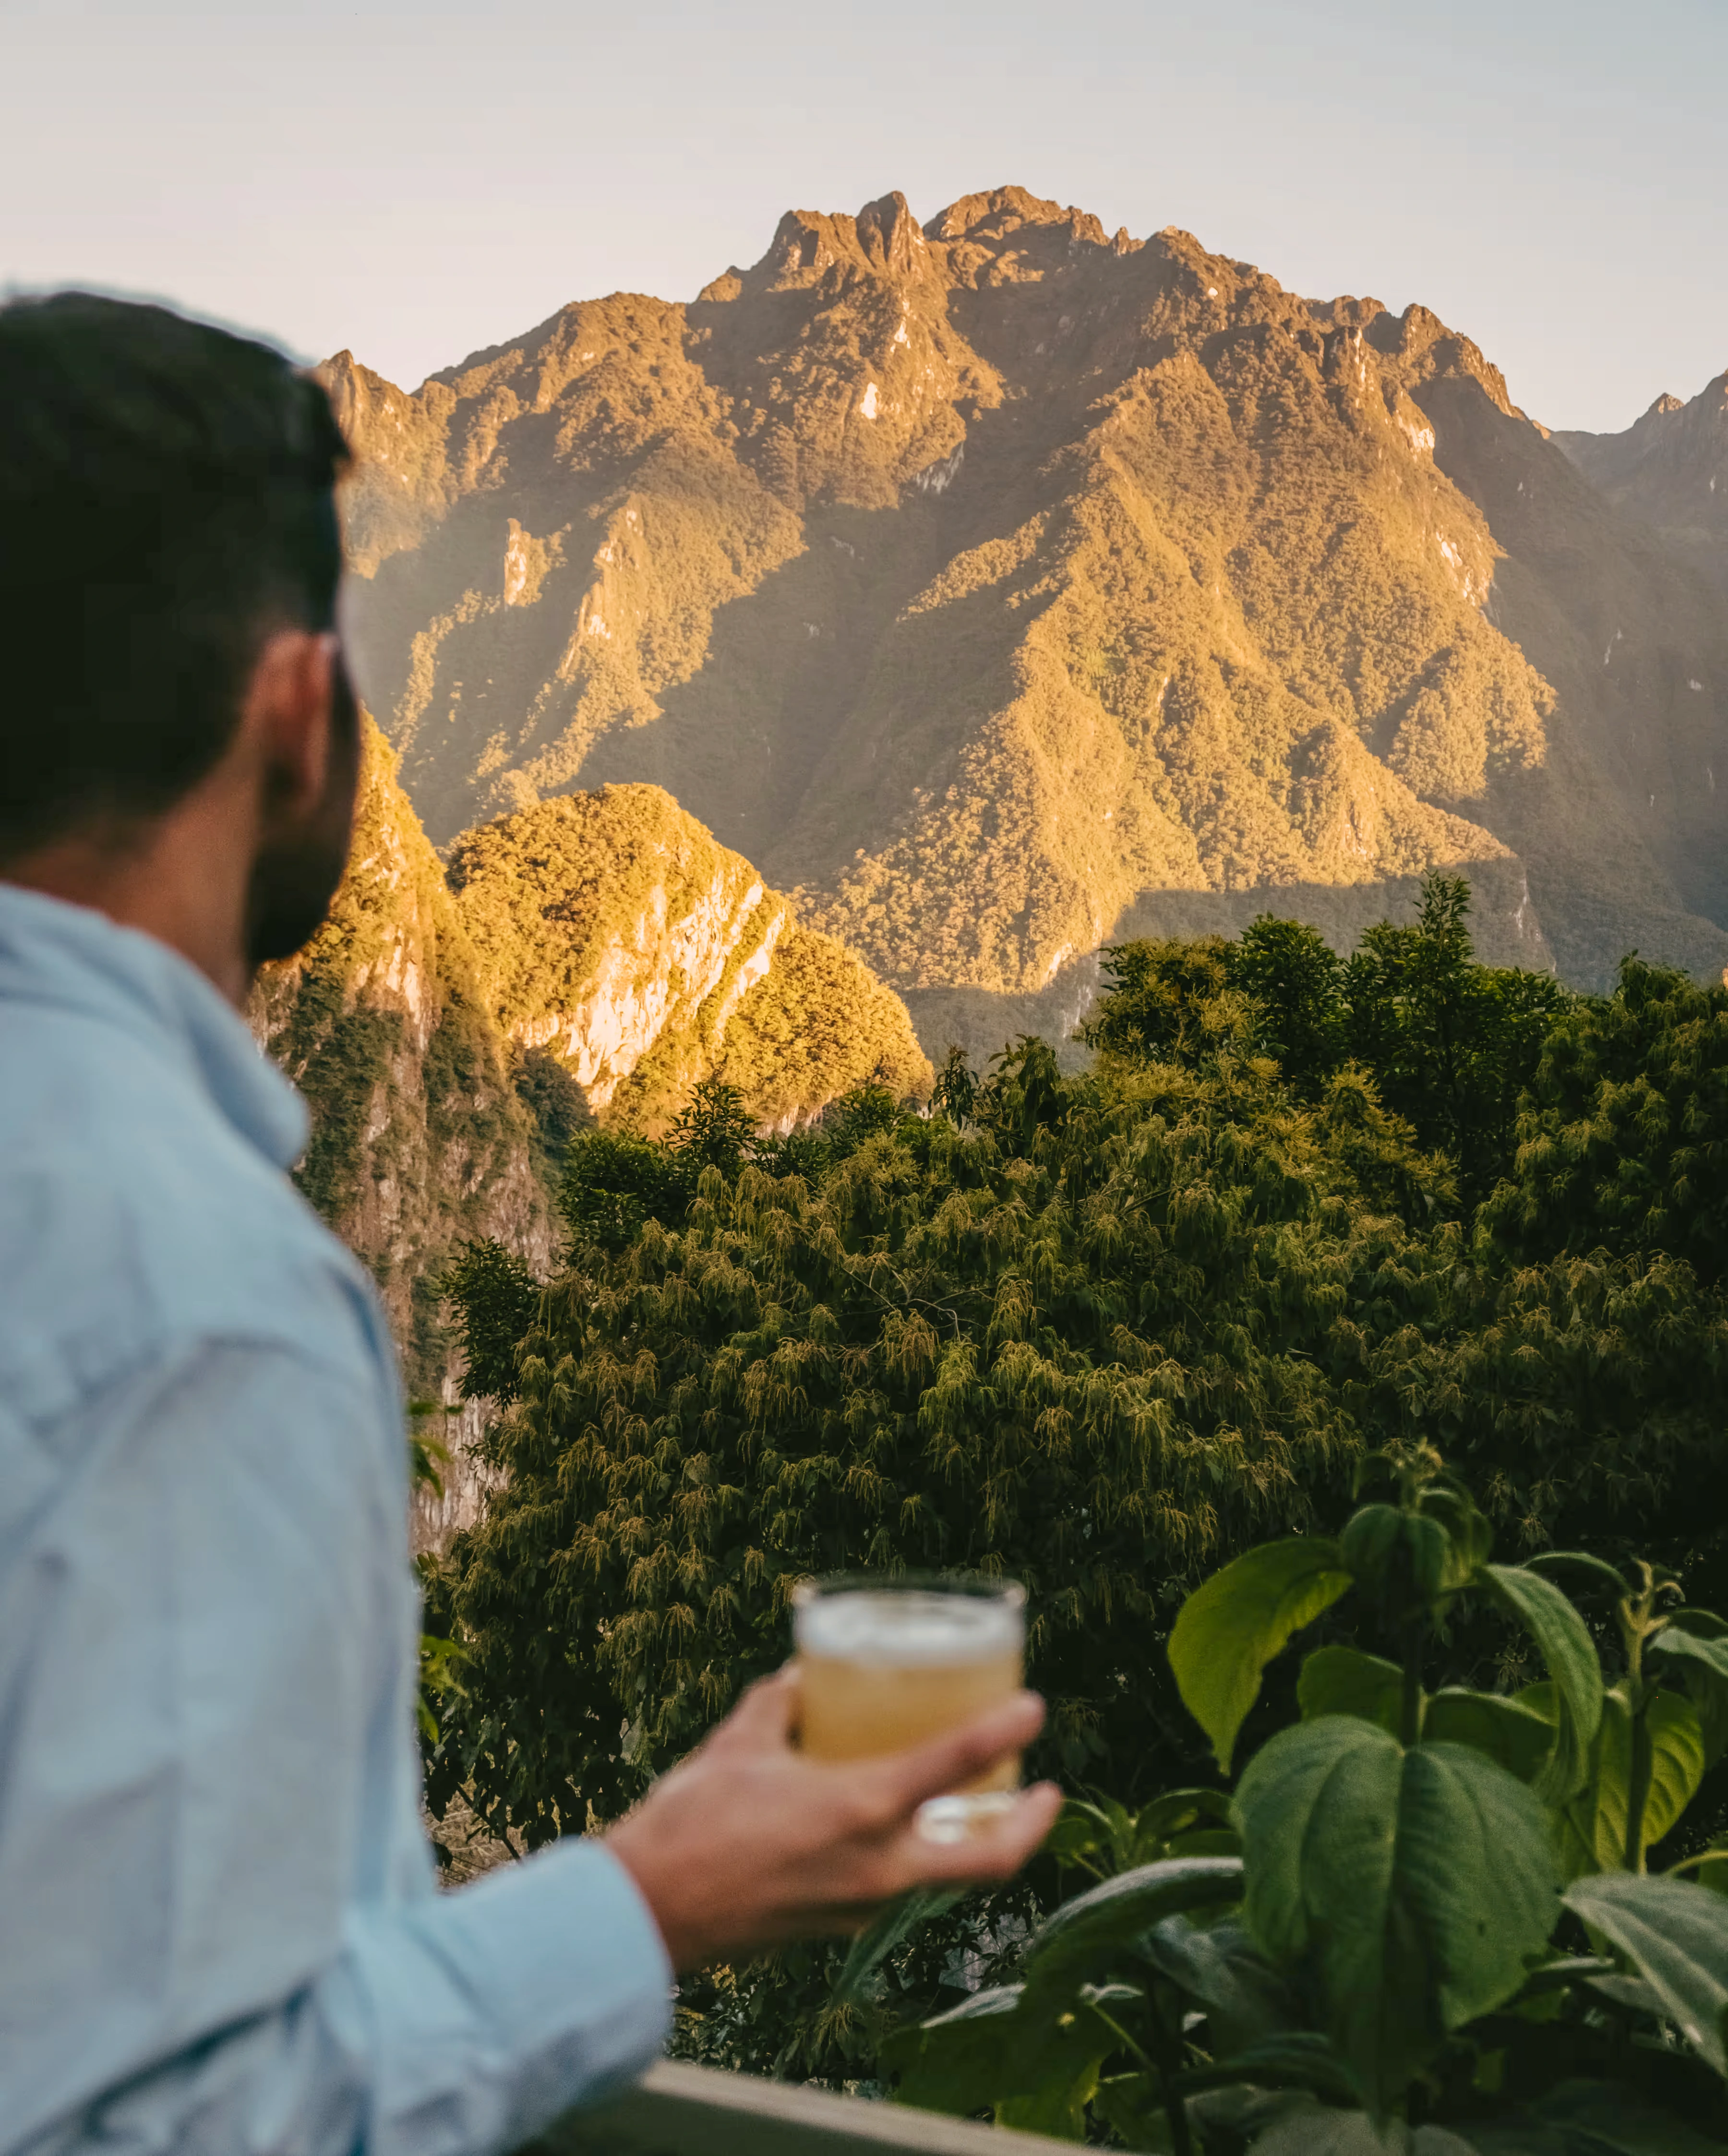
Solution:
(989, 584)
(1669, 467)
(810, 247)
(889, 234)
(995, 216)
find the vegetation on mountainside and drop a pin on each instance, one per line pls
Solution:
(552, 896)
(1235, 697)
(1429, 1903)
(418, 1139)
(648, 957)
(1098, 1330)
(430, 1130)
(821, 1026)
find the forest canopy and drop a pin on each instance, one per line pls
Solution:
(1101, 1331)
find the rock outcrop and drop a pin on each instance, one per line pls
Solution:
(420, 1139)
(615, 933)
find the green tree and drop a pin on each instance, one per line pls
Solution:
(1295, 981)
(1453, 1045)
(1624, 1141)
(1163, 1001)
(956, 1089)
(494, 1294)
(1106, 1332)
(713, 1130)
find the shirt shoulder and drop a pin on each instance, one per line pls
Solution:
(134, 1218)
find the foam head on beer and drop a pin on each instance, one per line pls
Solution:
(882, 1667)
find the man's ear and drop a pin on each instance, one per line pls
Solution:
(285, 717)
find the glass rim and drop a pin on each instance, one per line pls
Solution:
(976, 1586)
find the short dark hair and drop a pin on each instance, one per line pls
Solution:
(167, 500)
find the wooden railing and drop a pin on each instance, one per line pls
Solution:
(698, 2111)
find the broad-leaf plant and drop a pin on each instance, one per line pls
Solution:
(1423, 1921)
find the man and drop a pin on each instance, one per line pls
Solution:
(220, 1931)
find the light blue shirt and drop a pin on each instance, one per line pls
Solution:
(219, 1931)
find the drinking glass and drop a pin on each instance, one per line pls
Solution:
(885, 1662)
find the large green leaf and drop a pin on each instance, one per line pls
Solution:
(1677, 1643)
(1591, 1826)
(997, 2049)
(1221, 1969)
(1083, 1941)
(1580, 1566)
(1409, 1889)
(1511, 1733)
(1691, 1648)
(1563, 1640)
(1314, 2129)
(1344, 1681)
(1233, 1624)
(1676, 1762)
(1606, 2118)
(1676, 1935)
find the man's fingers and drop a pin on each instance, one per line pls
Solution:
(763, 1717)
(994, 1850)
(903, 1781)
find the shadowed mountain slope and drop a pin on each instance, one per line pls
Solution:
(1001, 587)
(421, 1137)
(1670, 469)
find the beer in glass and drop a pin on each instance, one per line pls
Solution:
(887, 1663)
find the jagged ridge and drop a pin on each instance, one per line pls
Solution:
(1000, 585)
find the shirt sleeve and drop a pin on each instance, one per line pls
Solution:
(223, 1937)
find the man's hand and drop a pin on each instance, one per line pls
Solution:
(747, 1844)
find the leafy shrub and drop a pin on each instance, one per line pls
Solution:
(1420, 1908)
(1624, 1141)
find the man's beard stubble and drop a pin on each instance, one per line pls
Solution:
(298, 872)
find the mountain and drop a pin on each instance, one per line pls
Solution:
(616, 936)
(1670, 469)
(1002, 588)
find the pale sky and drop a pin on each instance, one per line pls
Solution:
(418, 181)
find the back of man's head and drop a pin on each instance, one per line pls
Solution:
(166, 501)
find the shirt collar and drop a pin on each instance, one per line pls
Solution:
(73, 958)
